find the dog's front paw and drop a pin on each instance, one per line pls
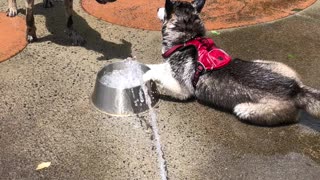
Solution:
(77, 40)
(31, 35)
(31, 39)
(12, 11)
(147, 76)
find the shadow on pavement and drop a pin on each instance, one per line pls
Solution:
(56, 25)
(309, 121)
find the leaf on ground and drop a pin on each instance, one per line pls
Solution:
(215, 33)
(291, 56)
(296, 9)
(43, 165)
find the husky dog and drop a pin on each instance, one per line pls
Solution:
(31, 28)
(258, 92)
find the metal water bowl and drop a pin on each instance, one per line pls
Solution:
(122, 102)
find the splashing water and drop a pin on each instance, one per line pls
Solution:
(154, 124)
(125, 78)
(131, 76)
(155, 130)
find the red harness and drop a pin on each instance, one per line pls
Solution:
(210, 57)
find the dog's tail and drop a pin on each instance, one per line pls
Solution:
(309, 100)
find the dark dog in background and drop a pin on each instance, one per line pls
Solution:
(105, 1)
(31, 28)
(258, 92)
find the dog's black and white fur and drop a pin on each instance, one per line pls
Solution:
(258, 92)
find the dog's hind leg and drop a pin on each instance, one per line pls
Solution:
(267, 112)
(75, 37)
(161, 74)
(31, 28)
(12, 8)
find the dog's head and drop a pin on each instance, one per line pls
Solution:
(181, 21)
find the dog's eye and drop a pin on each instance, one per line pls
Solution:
(161, 13)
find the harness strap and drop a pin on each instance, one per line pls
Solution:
(199, 71)
(172, 50)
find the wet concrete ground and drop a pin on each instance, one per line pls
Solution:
(46, 114)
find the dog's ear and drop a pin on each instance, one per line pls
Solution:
(169, 7)
(198, 4)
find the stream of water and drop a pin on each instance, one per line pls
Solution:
(131, 76)
(155, 130)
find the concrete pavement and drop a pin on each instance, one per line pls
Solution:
(46, 114)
